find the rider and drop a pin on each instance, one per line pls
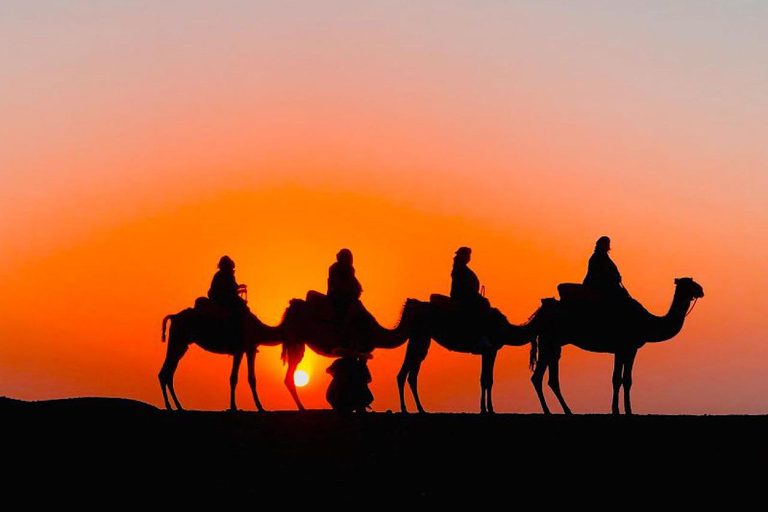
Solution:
(465, 286)
(465, 289)
(603, 275)
(225, 291)
(344, 291)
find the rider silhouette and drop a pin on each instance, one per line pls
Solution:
(225, 292)
(224, 289)
(344, 291)
(465, 290)
(465, 286)
(603, 275)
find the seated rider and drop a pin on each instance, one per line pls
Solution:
(603, 276)
(225, 291)
(344, 291)
(465, 286)
(465, 290)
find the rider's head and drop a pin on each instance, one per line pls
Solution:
(463, 255)
(344, 257)
(226, 263)
(603, 244)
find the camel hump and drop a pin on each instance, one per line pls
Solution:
(313, 295)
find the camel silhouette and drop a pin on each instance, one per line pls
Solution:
(620, 331)
(312, 322)
(433, 321)
(214, 335)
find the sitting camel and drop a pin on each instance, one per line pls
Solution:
(439, 320)
(217, 335)
(619, 330)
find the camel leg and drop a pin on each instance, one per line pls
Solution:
(402, 375)
(173, 395)
(627, 380)
(295, 355)
(172, 357)
(236, 360)
(415, 353)
(250, 357)
(542, 363)
(537, 379)
(554, 379)
(618, 365)
(486, 381)
(413, 383)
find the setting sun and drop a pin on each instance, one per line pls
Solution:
(301, 378)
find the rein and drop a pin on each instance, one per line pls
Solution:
(692, 306)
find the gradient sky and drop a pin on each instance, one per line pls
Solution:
(140, 141)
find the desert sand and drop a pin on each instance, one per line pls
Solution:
(110, 451)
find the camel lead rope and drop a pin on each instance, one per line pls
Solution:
(692, 306)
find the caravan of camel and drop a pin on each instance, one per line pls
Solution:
(618, 328)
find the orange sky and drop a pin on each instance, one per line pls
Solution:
(140, 143)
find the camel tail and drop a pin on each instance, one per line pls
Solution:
(165, 322)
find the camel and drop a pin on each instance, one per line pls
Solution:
(214, 335)
(619, 331)
(435, 320)
(312, 322)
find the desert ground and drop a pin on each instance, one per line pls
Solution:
(111, 451)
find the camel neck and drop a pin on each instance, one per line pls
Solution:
(667, 326)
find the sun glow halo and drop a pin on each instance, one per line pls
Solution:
(301, 378)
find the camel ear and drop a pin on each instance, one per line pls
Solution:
(677, 280)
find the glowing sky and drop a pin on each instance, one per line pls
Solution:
(140, 141)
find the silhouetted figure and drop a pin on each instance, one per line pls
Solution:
(349, 389)
(344, 291)
(603, 275)
(224, 289)
(465, 286)
(465, 290)
(225, 300)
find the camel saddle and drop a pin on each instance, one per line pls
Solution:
(571, 292)
(321, 306)
(444, 304)
(207, 308)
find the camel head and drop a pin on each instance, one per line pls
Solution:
(689, 288)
